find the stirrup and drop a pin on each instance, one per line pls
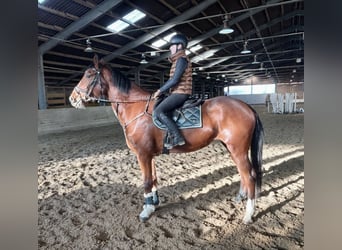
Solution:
(180, 141)
(172, 142)
(168, 141)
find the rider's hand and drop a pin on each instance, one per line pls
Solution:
(156, 94)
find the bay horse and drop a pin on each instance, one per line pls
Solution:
(231, 121)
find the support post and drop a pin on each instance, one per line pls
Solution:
(41, 84)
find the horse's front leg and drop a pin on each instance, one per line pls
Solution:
(151, 198)
(156, 200)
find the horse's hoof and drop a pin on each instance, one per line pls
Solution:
(247, 221)
(143, 219)
(146, 213)
(237, 199)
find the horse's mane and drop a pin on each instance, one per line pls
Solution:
(119, 80)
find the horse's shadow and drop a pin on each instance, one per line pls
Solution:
(274, 174)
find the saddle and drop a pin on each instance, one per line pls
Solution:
(187, 116)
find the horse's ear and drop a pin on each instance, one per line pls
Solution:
(96, 61)
(102, 62)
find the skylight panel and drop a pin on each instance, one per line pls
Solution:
(204, 55)
(134, 16)
(193, 49)
(161, 42)
(41, 1)
(118, 25)
(131, 17)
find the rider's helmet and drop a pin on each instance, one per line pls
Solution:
(179, 39)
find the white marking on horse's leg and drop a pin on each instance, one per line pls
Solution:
(148, 208)
(249, 211)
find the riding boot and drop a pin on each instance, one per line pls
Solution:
(176, 137)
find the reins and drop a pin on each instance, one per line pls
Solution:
(91, 86)
(97, 79)
(141, 114)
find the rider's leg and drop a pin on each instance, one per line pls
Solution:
(177, 137)
(162, 112)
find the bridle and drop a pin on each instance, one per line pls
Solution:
(97, 79)
(90, 87)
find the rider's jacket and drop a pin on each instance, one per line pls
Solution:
(184, 85)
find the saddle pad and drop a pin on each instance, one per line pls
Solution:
(184, 118)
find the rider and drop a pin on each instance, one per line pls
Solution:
(179, 86)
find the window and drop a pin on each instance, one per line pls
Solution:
(263, 89)
(247, 89)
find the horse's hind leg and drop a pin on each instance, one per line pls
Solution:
(247, 182)
(242, 194)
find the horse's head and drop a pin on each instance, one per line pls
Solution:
(85, 89)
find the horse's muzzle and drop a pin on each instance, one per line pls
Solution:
(76, 102)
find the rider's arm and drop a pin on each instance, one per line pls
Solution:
(181, 65)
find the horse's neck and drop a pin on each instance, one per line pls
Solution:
(138, 92)
(135, 94)
(127, 106)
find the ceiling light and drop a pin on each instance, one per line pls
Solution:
(143, 61)
(208, 76)
(298, 60)
(245, 50)
(88, 48)
(261, 66)
(294, 70)
(255, 60)
(226, 29)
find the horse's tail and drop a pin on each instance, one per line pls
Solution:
(256, 151)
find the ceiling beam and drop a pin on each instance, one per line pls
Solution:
(87, 18)
(209, 34)
(171, 23)
(252, 32)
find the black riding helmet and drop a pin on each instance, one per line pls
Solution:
(179, 39)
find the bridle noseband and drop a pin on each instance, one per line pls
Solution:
(90, 86)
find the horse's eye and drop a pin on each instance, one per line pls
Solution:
(88, 75)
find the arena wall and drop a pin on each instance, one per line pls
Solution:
(64, 119)
(291, 88)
